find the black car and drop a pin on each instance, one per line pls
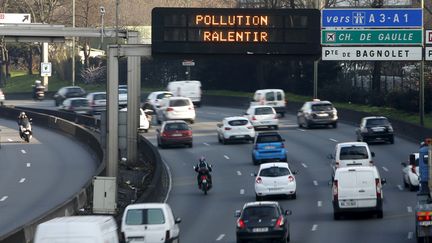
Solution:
(262, 221)
(375, 128)
(68, 92)
(317, 112)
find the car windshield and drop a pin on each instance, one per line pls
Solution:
(145, 216)
(259, 212)
(269, 139)
(322, 107)
(353, 152)
(274, 172)
(176, 126)
(241, 122)
(80, 102)
(122, 91)
(377, 122)
(264, 111)
(179, 102)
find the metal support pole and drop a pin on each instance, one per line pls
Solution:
(422, 81)
(45, 60)
(315, 91)
(134, 94)
(112, 112)
(188, 73)
(73, 44)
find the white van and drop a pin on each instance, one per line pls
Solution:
(78, 229)
(352, 153)
(189, 88)
(271, 97)
(150, 222)
(357, 189)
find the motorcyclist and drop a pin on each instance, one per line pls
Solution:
(203, 168)
(23, 120)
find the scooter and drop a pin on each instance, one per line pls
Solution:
(26, 132)
(205, 184)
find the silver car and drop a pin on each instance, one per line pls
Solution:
(77, 105)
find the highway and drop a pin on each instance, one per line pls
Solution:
(35, 177)
(211, 218)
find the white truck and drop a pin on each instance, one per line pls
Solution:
(78, 229)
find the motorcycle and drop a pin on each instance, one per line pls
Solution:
(26, 131)
(205, 185)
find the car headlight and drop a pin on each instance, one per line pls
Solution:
(390, 129)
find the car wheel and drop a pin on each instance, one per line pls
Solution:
(282, 114)
(336, 215)
(224, 141)
(239, 241)
(219, 139)
(258, 198)
(255, 161)
(334, 125)
(288, 238)
(192, 121)
(380, 214)
(276, 127)
(190, 145)
(306, 124)
(294, 196)
(391, 140)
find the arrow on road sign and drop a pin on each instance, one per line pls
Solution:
(26, 17)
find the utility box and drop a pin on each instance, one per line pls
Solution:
(104, 195)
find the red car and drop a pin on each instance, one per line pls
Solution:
(174, 132)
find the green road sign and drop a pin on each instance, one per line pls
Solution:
(372, 37)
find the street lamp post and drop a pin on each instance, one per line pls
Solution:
(102, 13)
(73, 44)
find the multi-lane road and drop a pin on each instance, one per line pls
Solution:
(35, 177)
(211, 218)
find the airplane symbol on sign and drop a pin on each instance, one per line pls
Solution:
(331, 37)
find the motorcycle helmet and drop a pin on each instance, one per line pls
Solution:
(202, 159)
(22, 114)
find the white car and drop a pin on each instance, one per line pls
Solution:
(154, 98)
(176, 108)
(410, 172)
(275, 178)
(234, 129)
(263, 116)
(144, 123)
(122, 99)
(2, 97)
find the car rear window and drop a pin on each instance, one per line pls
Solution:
(164, 95)
(274, 172)
(269, 139)
(122, 91)
(176, 126)
(377, 122)
(264, 111)
(322, 107)
(353, 152)
(270, 96)
(100, 97)
(179, 102)
(80, 102)
(260, 212)
(145, 216)
(74, 90)
(241, 122)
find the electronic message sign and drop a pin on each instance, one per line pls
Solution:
(235, 31)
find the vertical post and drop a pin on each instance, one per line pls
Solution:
(188, 71)
(429, 143)
(315, 89)
(112, 112)
(422, 81)
(45, 60)
(116, 20)
(73, 44)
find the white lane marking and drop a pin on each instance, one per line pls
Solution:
(400, 187)
(220, 237)
(409, 209)
(314, 227)
(242, 191)
(315, 183)
(333, 140)
(301, 130)
(23, 151)
(304, 165)
(28, 164)
(206, 144)
(410, 235)
(385, 169)
(3, 198)
(169, 181)
(319, 204)
(211, 113)
(239, 173)
(10, 140)
(226, 157)
(22, 180)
